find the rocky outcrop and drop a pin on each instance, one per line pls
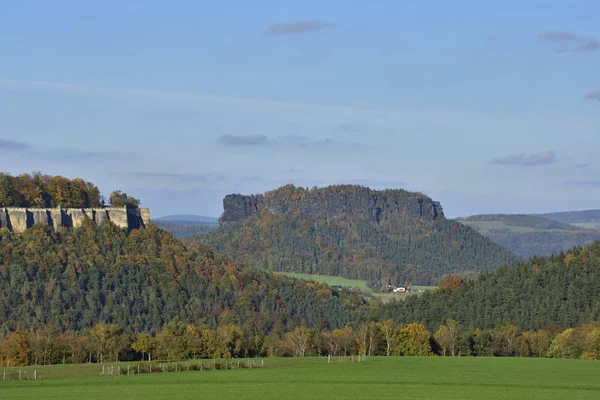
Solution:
(332, 201)
(20, 219)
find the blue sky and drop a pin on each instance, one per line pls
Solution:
(488, 107)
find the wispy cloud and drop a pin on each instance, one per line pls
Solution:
(284, 141)
(293, 171)
(581, 165)
(297, 27)
(171, 176)
(13, 145)
(243, 140)
(595, 95)
(569, 41)
(527, 159)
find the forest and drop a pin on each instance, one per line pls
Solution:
(396, 249)
(45, 191)
(557, 292)
(75, 278)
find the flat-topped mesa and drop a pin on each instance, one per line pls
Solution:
(331, 201)
(20, 219)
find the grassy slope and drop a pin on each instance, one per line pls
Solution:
(334, 280)
(516, 223)
(377, 378)
(337, 280)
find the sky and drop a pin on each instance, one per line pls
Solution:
(488, 107)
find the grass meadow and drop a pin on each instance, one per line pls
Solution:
(314, 378)
(362, 285)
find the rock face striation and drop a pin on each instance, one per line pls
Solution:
(330, 202)
(20, 219)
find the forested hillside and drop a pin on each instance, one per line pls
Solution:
(529, 236)
(385, 237)
(558, 292)
(76, 278)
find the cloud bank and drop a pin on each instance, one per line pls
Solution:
(13, 145)
(570, 40)
(527, 159)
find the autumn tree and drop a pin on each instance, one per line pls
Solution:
(413, 340)
(367, 338)
(389, 334)
(144, 344)
(298, 341)
(450, 283)
(14, 349)
(447, 336)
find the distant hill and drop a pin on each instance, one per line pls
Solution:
(186, 218)
(531, 235)
(516, 223)
(384, 237)
(185, 229)
(556, 292)
(584, 219)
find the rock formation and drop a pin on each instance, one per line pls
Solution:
(332, 201)
(20, 219)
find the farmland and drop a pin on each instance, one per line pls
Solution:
(355, 283)
(377, 378)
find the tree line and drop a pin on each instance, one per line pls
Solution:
(45, 191)
(176, 341)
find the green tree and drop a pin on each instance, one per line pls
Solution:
(120, 199)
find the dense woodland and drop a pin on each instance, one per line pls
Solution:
(397, 249)
(43, 191)
(558, 292)
(75, 278)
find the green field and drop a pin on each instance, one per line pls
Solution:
(313, 378)
(334, 280)
(362, 285)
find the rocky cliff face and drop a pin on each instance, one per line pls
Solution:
(20, 219)
(332, 201)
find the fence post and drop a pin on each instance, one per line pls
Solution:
(263, 362)
(4, 376)
(128, 370)
(19, 374)
(35, 374)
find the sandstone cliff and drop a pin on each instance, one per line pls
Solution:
(20, 219)
(332, 201)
